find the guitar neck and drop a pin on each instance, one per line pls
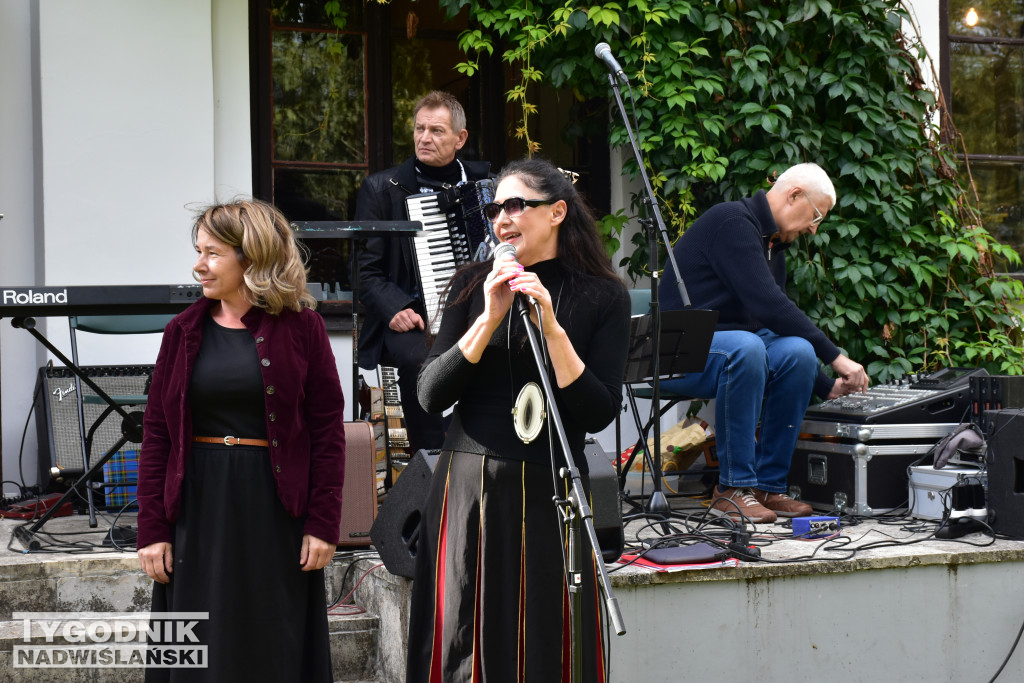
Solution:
(392, 402)
(398, 439)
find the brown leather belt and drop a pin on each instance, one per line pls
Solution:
(231, 441)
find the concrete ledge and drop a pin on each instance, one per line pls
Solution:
(629, 576)
(381, 593)
(93, 583)
(355, 644)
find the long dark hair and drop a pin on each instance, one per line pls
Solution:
(580, 250)
(579, 247)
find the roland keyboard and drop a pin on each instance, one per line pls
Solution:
(29, 302)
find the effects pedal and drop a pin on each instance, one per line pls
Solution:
(815, 527)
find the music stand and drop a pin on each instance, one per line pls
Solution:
(682, 346)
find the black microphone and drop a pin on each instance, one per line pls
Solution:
(603, 52)
(509, 249)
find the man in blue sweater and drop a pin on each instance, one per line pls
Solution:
(764, 356)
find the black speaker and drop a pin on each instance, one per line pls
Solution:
(604, 502)
(57, 423)
(1006, 471)
(395, 532)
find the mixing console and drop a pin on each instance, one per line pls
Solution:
(941, 396)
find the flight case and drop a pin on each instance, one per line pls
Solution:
(854, 451)
(860, 469)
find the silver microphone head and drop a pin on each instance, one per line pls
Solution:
(601, 47)
(505, 249)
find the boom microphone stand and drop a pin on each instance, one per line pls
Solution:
(576, 513)
(657, 503)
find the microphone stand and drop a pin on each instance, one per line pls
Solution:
(576, 513)
(657, 503)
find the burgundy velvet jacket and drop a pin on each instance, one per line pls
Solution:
(304, 415)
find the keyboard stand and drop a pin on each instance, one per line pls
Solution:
(131, 430)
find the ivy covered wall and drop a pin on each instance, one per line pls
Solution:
(728, 94)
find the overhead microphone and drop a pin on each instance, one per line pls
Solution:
(603, 52)
(509, 249)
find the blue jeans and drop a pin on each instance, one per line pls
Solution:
(751, 376)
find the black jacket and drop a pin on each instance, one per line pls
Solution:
(387, 275)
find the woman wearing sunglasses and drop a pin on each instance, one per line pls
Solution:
(489, 598)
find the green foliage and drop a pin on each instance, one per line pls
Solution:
(731, 93)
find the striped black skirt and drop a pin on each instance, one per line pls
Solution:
(489, 599)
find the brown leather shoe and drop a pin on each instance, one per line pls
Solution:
(739, 503)
(781, 504)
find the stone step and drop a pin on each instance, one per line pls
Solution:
(72, 583)
(112, 582)
(354, 651)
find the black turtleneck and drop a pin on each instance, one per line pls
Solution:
(594, 313)
(450, 174)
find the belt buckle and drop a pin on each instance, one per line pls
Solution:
(227, 441)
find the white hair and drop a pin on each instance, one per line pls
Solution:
(809, 177)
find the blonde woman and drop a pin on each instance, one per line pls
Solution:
(243, 456)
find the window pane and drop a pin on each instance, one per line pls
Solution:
(320, 196)
(424, 52)
(994, 18)
(1001, 189)
(411, 79)
(987, 84)
(319, 97)
(316, 195)
(311, 13)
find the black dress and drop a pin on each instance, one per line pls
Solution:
(489, 597)
(236, 549)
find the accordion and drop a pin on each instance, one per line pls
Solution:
(455, 232)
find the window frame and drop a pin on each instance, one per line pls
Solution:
(946, 39)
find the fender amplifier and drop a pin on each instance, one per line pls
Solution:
(57, 422)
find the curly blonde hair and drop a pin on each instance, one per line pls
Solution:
(275, 274)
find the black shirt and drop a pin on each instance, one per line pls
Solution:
(595, 315)
(226, 392)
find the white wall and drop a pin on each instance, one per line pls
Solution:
(118, 118)
(232, 141)
(925, 16)
(17, 203)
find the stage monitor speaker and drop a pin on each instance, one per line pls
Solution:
(57, 424)
(396, 531)
(359, 495)
(604, 502)
(1006, 471)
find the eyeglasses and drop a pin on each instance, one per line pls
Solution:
(819, 216)
(513, 206)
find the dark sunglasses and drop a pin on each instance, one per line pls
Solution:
(513, 206)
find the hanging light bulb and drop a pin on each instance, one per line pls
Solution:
(971, 19)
